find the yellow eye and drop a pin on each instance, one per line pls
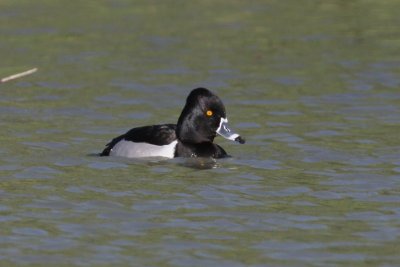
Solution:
(209, 113)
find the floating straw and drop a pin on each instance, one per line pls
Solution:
(18, 75)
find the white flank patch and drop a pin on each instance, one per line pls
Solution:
(131, 149)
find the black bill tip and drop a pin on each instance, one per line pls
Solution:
(240, 140)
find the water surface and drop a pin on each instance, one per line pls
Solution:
(313, 86)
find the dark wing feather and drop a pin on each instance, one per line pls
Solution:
(158, 135)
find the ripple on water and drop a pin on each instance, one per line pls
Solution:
(286, 250)
(138, 115)
(53, 244)
(29, 231)
(291, 191)
(279, 124)
(59, 85)
(289, 80)
(314, 154)
(323, 133)
(48, 145)
(362, 181)
(261, 164)
(9, 167)
(98, 205)
(77, 230)
(79, 112)
(37, 172)
(280, 137)
(383, 234)
(246, 125)
(9, 218)
(119, 100)
(68, 162)
(106, 165)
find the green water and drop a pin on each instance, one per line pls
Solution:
(312, 85)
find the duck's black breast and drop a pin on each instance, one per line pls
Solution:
(159, 135)
(204, 150)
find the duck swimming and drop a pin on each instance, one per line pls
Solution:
(202, 118)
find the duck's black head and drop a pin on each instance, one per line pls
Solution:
(202, 118)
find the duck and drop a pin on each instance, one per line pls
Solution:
(203, 118)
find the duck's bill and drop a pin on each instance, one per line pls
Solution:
(224, 131)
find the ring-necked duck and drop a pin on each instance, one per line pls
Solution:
(202, 118)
